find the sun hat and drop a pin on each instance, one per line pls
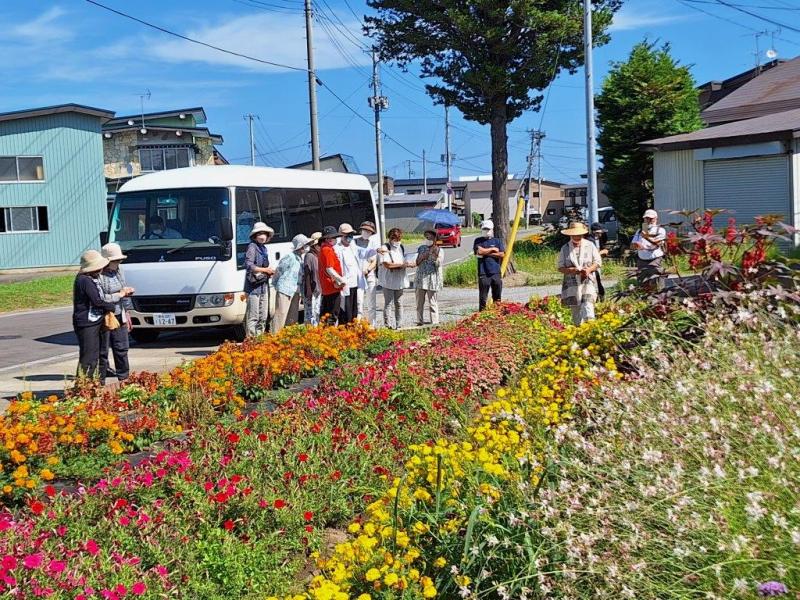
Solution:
(650, 214)
(312, 241)
(299, 241)
(487, 224)
(112, 251)
(369, 226)
(346, 229)
(576, 228)
(92, 261)
(261, 228)
(329, 232)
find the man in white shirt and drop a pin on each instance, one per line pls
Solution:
(352, 271)
(368, 243)
(648, 243)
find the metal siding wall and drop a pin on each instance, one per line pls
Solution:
(795, 178)
(678, 181)
(748, 187)
(73, 190)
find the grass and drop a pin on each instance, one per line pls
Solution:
(538, 261)
(37, 293)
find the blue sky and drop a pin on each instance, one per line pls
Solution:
(71, 51)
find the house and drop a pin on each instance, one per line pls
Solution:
(137, 144)
(747, 161)
(337, 163)
(714, 91)
(434, 185)
(576, 194)
(52, 188)
(478, 198)
(388, 184)
(401, 209)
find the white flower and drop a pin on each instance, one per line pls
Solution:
(740, 586)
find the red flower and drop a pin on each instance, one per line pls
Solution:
(92, 547)
(37, 507)
(302, 457)
(308, 515)
(262, 437)
(309, 528)
(233, 438)
(50, 491)
(228, 525)
(336, 475)
(138, 588)
(278, 504)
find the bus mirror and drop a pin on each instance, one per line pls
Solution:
(103, 238)
(226, 229)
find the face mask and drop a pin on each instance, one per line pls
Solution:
(347, 239)
(158, 231)
(428, 242)
(365, 234)
(261, 239)
(486, 233)
(395, 244)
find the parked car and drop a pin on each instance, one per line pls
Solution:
(608, 219)
(563, 222)
(535, 219)
(448, 235)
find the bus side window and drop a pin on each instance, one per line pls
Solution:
(247, 215)
(303, 211)
(336, 208)
(270, 203)
(361, 203)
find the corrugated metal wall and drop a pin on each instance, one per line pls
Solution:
(795, 175)
(73, 190)
(678, 180)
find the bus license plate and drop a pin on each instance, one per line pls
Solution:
(162, 319)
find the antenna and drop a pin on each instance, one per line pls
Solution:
(772, 54)
(142, 97)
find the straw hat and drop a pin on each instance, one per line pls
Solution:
(346, 229)
(92, 261)
(369, 226)
(575, 228)
(261, 228)
(299, 241)
(314, 239)
(112, 251)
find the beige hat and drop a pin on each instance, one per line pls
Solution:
(314, 239)
(346, 228)
(261, 228)
(650, 214)
(112, 251)
(92, 261)
(576, 228)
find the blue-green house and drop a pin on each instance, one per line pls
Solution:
(52, 186)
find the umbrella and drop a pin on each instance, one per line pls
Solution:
(439, 215)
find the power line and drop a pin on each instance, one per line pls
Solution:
(791, 8)
(194, 41)
(273, 8)
(757, 16)
(688, 4)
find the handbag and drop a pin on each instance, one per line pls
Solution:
(110, 321)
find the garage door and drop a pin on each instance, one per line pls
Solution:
(748, 187)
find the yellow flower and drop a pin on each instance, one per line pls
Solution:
(373, 574)
(390, 579)
(46, 474)
(429, 592)
(439, 562)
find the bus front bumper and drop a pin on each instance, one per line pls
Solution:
(223, 316)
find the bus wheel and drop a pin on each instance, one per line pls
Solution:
(239, 332)
(145, 336)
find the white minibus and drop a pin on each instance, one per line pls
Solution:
(189, 273)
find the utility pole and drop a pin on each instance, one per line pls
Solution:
(528, 196)
(535, 156)
(250, 118)
(378, 103)
(424, 173)
(591, 159)
(447, 155)
(312, 88)
(410, 170)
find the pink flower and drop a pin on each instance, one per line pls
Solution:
(92, 547)
(56, 566)
(138, 588)
(33, 561)
(161, 570)
(121, 590)
(9, 562)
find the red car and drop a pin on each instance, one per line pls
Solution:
(448, 235)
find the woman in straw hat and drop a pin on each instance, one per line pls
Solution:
(88, 312)
(287, 280)
(115, 290)
(256, 284)
(578, 260)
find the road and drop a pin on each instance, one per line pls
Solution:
(39, 350)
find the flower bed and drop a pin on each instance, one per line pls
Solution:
(233, 510)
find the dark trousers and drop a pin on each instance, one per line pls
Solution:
(601, 290)
(329, 308)
(485, 283)
(349, 307)
(90, 347)
(117, 340)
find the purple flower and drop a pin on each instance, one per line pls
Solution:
(772, 588)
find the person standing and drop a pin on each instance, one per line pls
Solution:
(490, 251)
(430, 277)
(258, 272)
(352, 271)
(392, 277)
(598, 236)
(579, 260)
(331, 279)
(368, 243)
(648, 243)
(287, 282)
(88, 312)
(115, 290)
(312, 295)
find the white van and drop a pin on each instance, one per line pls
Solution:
(191, 275)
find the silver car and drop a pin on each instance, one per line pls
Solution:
(608, 219)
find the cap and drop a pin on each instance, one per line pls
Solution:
(487, 224)
(650, 214)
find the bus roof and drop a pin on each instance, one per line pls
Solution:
(212, 176)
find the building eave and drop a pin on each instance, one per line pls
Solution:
(102, 114)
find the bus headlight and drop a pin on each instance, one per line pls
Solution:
(214, 300)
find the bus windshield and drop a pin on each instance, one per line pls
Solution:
(170, 225)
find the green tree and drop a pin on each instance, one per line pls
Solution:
(489, 58)
(648, 96)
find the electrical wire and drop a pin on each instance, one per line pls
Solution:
(689, 4)
(757, 16)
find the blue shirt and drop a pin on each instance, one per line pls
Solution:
(488, 265)
(287, 274)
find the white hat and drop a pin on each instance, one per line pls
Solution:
(92, 261)
(112, 251)
(487, 224)
(261, 228)
(346, 228)
(650, 214)
(299, 241)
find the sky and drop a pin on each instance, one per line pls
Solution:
(73, 51)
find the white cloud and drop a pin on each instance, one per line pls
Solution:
(631, 19)
(47, 27)
(272, 37)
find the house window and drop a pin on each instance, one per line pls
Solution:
(161, 159)
(20, 219)
(15, 169)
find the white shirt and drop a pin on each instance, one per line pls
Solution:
(367, 253)
(351, 265)
(393, 279)
(648, 249)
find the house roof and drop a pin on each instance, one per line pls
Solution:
(413, 198)
(776, 90)
(198, 113)
(347, 162)
(778, 126)
(57, 109)
(715, 90)
(215, 137)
